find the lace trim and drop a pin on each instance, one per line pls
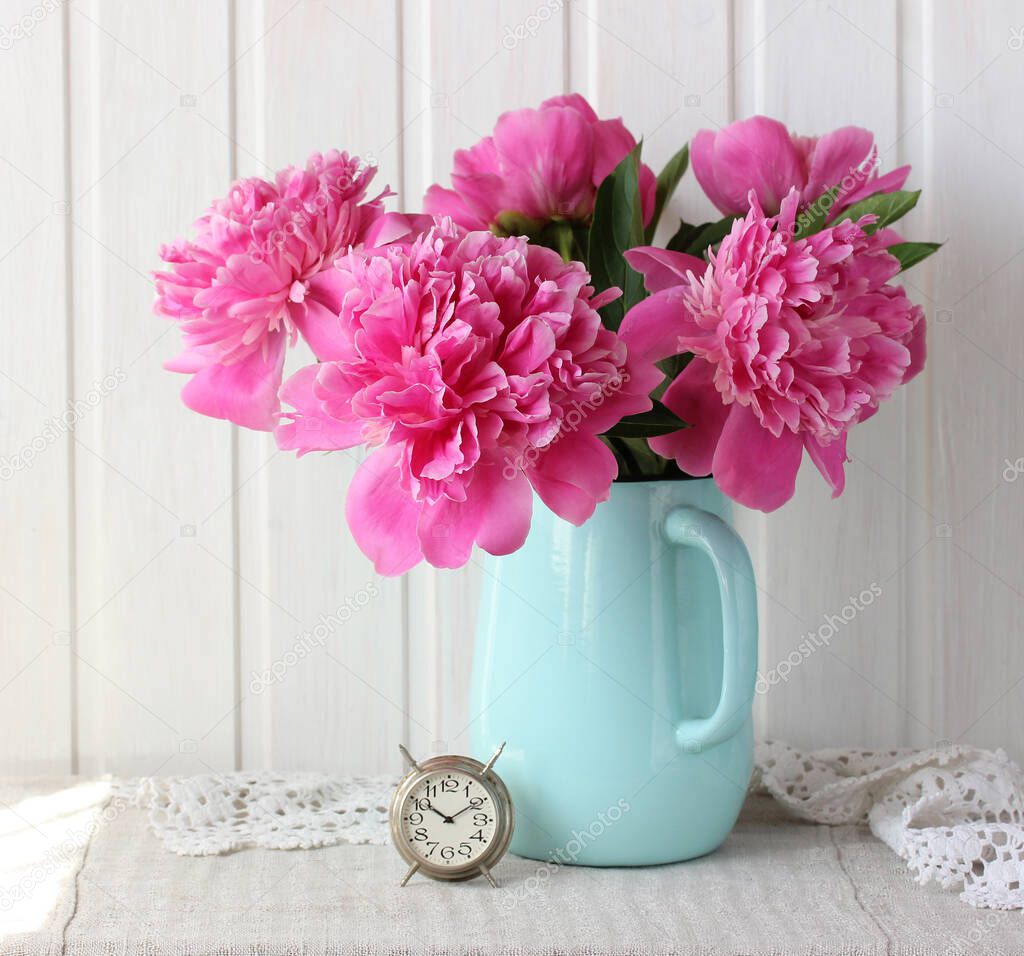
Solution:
(213, 813)
(955, 815)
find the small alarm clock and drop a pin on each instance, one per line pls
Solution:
(451, 817)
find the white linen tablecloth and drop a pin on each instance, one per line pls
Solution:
(81, 873)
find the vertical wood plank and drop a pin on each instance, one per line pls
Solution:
(972, 78)
(119, 620)
(825, 559)
(35, 644)
(680, 63)
(923, 626)
(466, 64)
(321, 635)
(665, 68)
(154, 642)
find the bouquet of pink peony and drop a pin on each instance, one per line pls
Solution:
(522, 336)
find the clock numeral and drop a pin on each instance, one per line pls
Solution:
(465, 849)
(415, 818)
(449, 786)
(431, 790)
(420, 834)
(433, 844)
(481, 819)
(479, 836)
(476, 802)
(447, 853)
(421, 804)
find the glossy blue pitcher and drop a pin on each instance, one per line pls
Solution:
(619, 660)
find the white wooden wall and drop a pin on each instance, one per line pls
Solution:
(151, 561)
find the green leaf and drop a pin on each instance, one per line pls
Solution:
(510, 223)
(658, 421)
(685, 235)
(635, 459)
(911, 253)
(637, 462)
(617, 226)
(668, 179)
(564, 237)
(695, 240)
(889, 207)
(812, 219)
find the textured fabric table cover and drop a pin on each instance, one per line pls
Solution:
(82, 874)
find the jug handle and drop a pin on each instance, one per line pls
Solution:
(693, 528)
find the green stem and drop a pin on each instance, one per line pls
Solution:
(564, 240)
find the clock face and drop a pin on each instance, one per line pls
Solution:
(449, 819)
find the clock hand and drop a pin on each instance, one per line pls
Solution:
(443, 816)
(463, 810)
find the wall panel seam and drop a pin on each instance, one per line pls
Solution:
(235, 469)
(71, 582)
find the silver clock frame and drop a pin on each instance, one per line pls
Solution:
(505, 819)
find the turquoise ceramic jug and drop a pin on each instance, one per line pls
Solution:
(619, 661)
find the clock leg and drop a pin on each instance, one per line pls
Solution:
(408, 876)
(486, 872)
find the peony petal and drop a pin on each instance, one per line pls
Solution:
(528, 345)
(309, 427)
(693, 397)
(888, 183)
(495, 515)
(755, 153)
(663, 268)
(652, 328)
(829, 460)
(754, 467)
(917, 346)
(506, 521)
(447, 530)
(612, 141)
(192, 360)
(573, 474)
(834, 157)
(446, 202)
(574, 101)
(702, 161)
(243, 392)
(648, 192)
(381, 514)
(547, 159)
(396, 226)
(320, 324)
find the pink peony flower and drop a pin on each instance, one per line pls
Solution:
(793, 342)
(760, 154)
(246, 285)
(541, 164)
(478, 369)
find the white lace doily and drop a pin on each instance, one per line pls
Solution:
(218, 813)
(955, 815)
